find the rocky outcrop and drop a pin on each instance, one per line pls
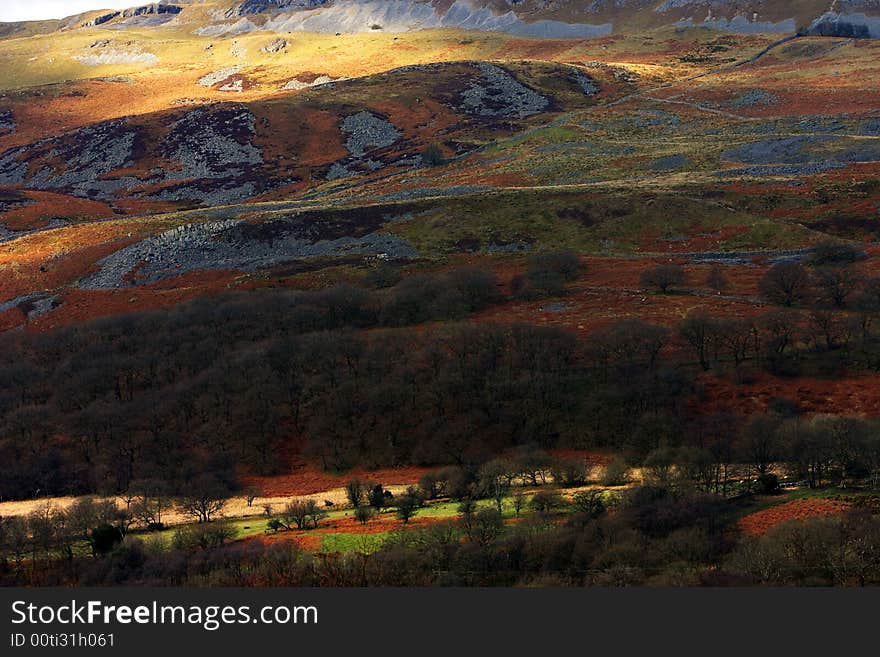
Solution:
(253, 7)
(114, 56)
(78, 162)
(500, 94)
(151, 9)
(7, 122)
(276, 45)
(589, 86)
(298, 85)
(355, 16)
(209, 144)
(232, 244)
(32, 305)
(366, 132)
(208, 156)
(850, 26)
(100, 20)
(220, 76)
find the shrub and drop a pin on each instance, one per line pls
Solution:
(768, 484)
(104, 538)
(833, 253)
(202, 536)
(590, 503)
(546, 501)
(616, 473)
(408, 504)
(363, 514)
(432, 156)
(569, 472)
(548, 273)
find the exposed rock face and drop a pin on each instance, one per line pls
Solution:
(366, 132)
(213, 145)
(7, 122)
(219, 76)
(32, 305)
(252, 7)
(276, 45)
(232, 244)
(800, 155)
(585, 82)
(501, 95)
(75, 162)
(241, 26)
(12, 169)
(752, 98)
(529, 18)
(805, 149)
(100, 20)
(298, 85)
(354, 16)
(154, 8)
(118, 57)
(670, 163)
(851, 26)
(209, 153)
(234, 85)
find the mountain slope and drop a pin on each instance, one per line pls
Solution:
(531, 18)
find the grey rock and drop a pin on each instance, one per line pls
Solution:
(670, 162)
(501, 95)
(589, 86)
(35, 305)
(368, 131)
(276, 45)
(810, 169)
(752, 98)
(212, 144)
(217, 77)
(231, 244)
(154, 8)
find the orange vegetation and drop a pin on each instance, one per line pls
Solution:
(760, 522)
(309, 479)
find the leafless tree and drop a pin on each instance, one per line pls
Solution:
(786, 283)
(205, 500)
(716, 280)
(663, 277)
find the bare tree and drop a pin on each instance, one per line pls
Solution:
(356, 492)
(663, 277)
(251, 493)
(296, 514)
(151, 501)
(837, 284)
(786, 283)
(716, 280)
(699, 331)
(780, 329)
(737, 337)
(519, 500)
(493, 480)
(630, 341)
(205, 500)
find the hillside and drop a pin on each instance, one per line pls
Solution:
(612, 265)
(225, 129)
(532, 18)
